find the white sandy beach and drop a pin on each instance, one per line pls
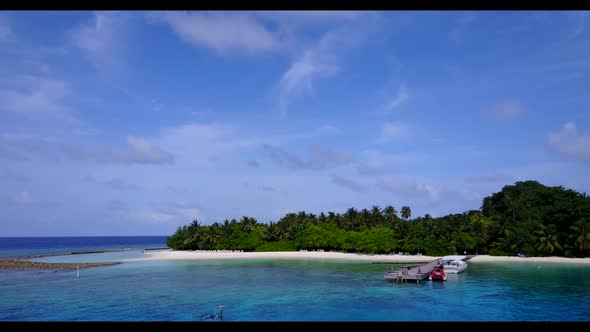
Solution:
(552, 259)
(203, 255)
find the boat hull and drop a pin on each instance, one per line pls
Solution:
(455, 267)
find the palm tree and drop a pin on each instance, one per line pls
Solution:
(322, 218)
(513, 203)
(546, 239)
(365, 218)
(505, 228)
(390, 212)
(406, 212)
(479, 228)
(272, 233)
(195, 224)
(580, 233)
(248, 224)
(376, 211)
(350, 217)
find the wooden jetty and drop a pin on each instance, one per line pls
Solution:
(417, 273)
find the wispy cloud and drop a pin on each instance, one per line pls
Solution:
(579, 19)
(151, 216)
(320, 158)
(282, 157)
(198, 142)
(179, 212)
(35, 94)
(268, 188)
(401, 97)
(223, 32)
(318, 60)
(409, 187)
(392, 131)
(375, 162)
(139, 151)
(101, 38)
(12, 175)
(463, 24)
(253, 163)
(490, 178)
(6, 33)
(351, 184)
(23, 198)
(505, 109)
(570, 144)
(315, 15)
(120, 184)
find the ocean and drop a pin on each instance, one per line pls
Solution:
(288, 290)
(26, 246)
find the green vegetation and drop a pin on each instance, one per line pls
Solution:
(526, 217)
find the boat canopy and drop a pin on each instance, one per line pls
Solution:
(454, 258)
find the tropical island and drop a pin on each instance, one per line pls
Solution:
(525, 219)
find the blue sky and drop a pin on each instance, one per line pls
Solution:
(133, 123)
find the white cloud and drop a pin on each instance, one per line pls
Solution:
(223, 32)
(375, 162)
(320, 158)
(33, 94)
(506, 109)
(328, 129)
(175, 213)
(143, 150)
(579, 18)
(401, 97)
(101, 39)
(570, 144)
(12, 175)
(499, 177)
(152, 216)
(409, 188)
(392, 131)
(186, 211)
(318, 60)
(315, 16)
(23, 198)
(139, 151)
(351, 184)
(120, 184)
(196, 142)
(6, 33)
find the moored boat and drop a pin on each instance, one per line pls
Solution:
(438, 273)
(454, 264)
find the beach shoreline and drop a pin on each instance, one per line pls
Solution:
(213, 255)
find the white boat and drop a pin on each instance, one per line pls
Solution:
(454, 264)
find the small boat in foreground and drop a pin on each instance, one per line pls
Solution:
(438, 273)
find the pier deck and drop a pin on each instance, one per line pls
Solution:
(417, 273)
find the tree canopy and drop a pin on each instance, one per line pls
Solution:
(526, 217)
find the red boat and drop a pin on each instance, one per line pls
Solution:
(438, 273)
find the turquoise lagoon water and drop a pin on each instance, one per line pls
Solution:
(292, 290)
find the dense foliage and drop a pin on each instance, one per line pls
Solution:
(526, 217)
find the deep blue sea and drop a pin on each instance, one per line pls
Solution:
(24, 246)
(290, 290)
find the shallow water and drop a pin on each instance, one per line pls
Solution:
(295, 290)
